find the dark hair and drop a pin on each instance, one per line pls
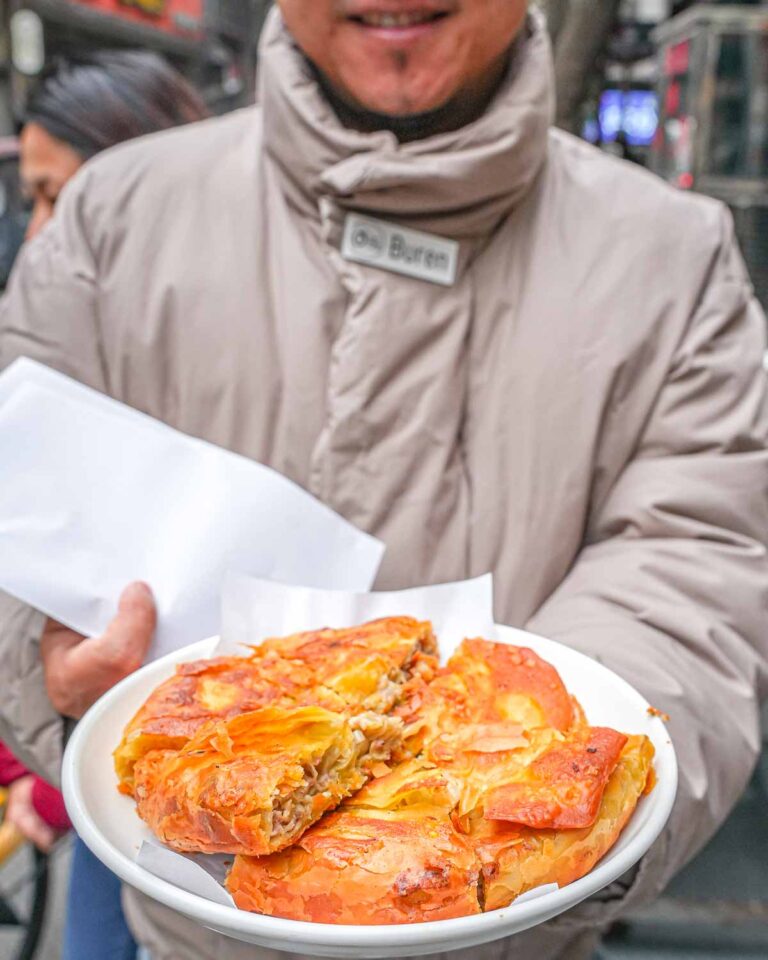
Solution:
(97, 100)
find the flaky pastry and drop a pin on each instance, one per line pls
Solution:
(347, 671)
(254, 783)
(409, 847)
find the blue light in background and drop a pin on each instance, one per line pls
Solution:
(636, 112)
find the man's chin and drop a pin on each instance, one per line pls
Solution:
(377, 88)
(410, 107)
(398, 104)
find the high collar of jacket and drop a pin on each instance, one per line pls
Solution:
(459, 184)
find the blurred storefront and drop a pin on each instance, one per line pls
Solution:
(713, 129)
(683, 89)
(621, 114)
(212, 41)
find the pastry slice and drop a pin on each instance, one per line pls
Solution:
(346, 671)
(253, 784)
(367, 666)
(207, 690)
(419, 843)
(562, 788)
(486, 683)
(390, 855)
(517, 858)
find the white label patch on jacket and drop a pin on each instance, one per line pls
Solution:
(377, 243)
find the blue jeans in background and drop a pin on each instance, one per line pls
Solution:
(95, 927)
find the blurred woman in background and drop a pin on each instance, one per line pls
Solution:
(82, 106)
(85, 105)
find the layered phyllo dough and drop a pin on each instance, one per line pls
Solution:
(254, 783)
(357, 782)
(485, 682)
(365, 668)
(423, 844)
(392, 854)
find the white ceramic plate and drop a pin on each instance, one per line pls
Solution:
(108, 824)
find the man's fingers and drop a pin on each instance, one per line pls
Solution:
(127, 638)
(76, 676)
(137, 598)
(57, 636)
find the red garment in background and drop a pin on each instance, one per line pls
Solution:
(46, 800)
(10, 768)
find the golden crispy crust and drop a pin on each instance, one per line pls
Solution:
(504, 786)
(512, 684)
(392, 856)
(364, 871)
(352, 660)
(207, 690)
(563, 787)
(347, 671)
(405, 832)
(485, 683)
(253, 784)
(515, 858)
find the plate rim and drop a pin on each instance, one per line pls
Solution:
(478, 928)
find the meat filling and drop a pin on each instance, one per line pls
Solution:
(391, 685)
(374, 738)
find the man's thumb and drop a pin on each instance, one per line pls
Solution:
(129, 634)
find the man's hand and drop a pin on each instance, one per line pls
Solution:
(22, 814)
(79, 671)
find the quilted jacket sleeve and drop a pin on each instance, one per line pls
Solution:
(49, 313)
(671, 587)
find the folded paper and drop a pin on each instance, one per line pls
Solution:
(253, 609)
(95, 495)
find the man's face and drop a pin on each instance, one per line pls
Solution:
(404, 57)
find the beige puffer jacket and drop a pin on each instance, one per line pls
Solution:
(582, 412)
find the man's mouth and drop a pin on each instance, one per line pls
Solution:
(394, 21)
(398, 18)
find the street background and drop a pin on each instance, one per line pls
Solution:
(681, 87)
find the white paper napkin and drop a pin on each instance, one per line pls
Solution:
(95, 495)
(196, 873)
(254, 609)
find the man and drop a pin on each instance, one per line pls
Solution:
(557, 379)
